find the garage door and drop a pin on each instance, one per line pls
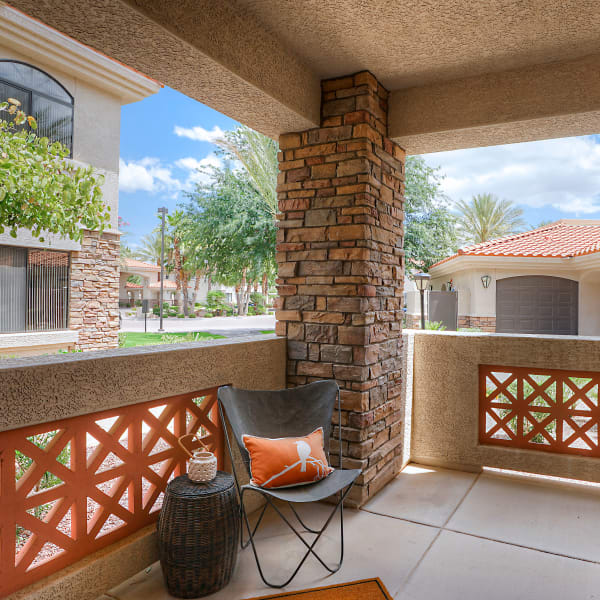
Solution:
(536, 304)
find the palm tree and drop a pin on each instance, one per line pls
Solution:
(149, 248)
(487, 217)
(258, 155)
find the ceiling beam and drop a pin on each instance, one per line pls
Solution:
(205, 49)
(540, 102)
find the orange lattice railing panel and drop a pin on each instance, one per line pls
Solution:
(71, 487)
(539, 409)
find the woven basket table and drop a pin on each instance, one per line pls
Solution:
(198, 535)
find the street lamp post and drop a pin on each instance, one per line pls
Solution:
(422, 282)
(163, 213)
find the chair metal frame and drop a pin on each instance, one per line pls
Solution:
(270, 494)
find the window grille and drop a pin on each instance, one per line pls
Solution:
(34, 289)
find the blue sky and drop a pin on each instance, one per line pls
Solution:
(165, 138)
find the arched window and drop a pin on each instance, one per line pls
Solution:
(42, 97)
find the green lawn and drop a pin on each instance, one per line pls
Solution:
(134, 338)
(268, 331)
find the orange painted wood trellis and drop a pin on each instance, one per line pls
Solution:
(552, 410)
(71, 487)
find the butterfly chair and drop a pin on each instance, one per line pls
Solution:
(294, 412)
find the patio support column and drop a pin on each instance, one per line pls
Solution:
(341, 268)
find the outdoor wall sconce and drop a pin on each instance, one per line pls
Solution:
(422, 282)
(485, 281)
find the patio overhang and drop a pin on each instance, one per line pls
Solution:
(460, 75)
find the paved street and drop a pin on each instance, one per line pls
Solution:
(227, 326)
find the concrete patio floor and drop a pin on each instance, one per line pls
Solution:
(438, 534)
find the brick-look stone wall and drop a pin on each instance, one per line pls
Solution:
(487, 324)
(341, 268)
(94, 293)
(412, 321)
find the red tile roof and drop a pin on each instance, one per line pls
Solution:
(134, 286)
(169, 285)
(563, 239)
(132, 263)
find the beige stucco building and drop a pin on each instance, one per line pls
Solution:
(147, 286)
(541, 281)
(60, 293)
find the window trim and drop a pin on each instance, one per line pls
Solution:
(31, 91)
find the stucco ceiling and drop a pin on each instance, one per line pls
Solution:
(462, 73)
(419, 42)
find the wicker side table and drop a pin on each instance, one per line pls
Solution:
(198, 535)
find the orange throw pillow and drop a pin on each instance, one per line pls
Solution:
(285, 462)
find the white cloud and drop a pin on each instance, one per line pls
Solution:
(146, 175)
(194, 168)
(199, 134)
(562, 173)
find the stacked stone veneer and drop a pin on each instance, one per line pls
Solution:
(340, 258)
(94, 293)
(487, 324)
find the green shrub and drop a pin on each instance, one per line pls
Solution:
(257, 299)
(208, 314)
(215, 298)
(156, 310)
(435, 326)
(122, 338)
(191, 316)
(181, 316)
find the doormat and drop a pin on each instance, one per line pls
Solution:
(367, 589)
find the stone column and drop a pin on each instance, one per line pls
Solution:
(341, 268)
(94, 293)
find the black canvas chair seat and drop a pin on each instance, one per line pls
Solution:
(293, 412)
(313, 492)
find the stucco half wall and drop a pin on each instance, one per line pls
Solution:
(445, 412)
(42, 389)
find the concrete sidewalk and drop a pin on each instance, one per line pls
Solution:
(227, 326)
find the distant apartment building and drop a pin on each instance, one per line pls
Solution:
(146, 285)
(60, 294)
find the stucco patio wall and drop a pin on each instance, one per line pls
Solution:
(43, 389)
(445, 412)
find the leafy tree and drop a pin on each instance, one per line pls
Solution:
(430, 228)
(258, 155)
(228, 225)
(40, 189)
(487, 217)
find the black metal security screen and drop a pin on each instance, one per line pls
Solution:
(34, 289)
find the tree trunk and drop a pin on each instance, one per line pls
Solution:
(241, 295)
(247, 297)
(238, 295)
(177, 269)
(198, 275)
(265, 287)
